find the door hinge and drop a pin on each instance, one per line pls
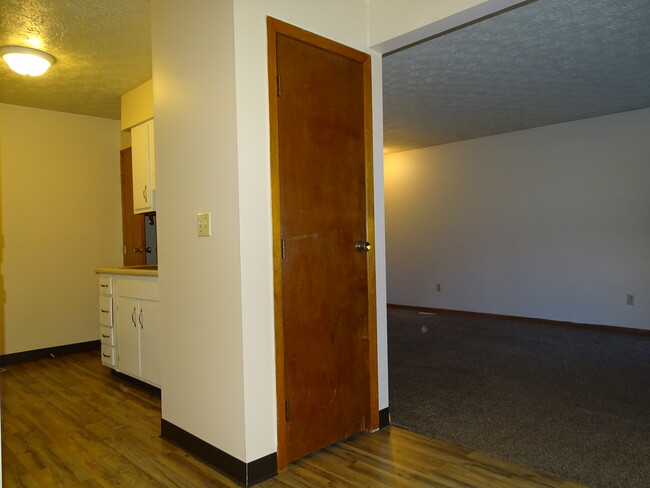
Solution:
(124, 251)
(279, 86)
(286, 411)
(284, 249)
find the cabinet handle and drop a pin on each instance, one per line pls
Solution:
(104, 286)
(133, 317)
(140, 319)
(144, 194)
(106, 355)
(103, 311)
(105, 336)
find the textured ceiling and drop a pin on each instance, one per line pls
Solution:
(546, 62)
(102, 48)
(549, 61)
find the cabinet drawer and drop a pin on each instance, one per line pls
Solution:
(105, 285)
(106, 311)
(138, 287)
(108, 355)
(107, 335)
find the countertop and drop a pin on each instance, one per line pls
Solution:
(143, 270)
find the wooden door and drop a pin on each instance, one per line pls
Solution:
(326, 329)
(133, 231)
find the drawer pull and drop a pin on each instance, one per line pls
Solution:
(105, 336)
(106, 355)
(104, 286)
(103, 311)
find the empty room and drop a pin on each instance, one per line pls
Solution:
(517, 233)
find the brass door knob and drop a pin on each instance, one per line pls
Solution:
(362, 246)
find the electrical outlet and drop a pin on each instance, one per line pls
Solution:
(203, 228)
(630, 299)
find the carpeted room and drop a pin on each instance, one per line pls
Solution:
(567, 401)
(547, 221)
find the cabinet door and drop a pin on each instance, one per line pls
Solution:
(141, 153)
(152, 164)
(128, 336)
(149, 323)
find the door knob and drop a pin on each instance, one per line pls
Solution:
(362, 246)
(137, 250)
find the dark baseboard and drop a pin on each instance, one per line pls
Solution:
(608, 328)
(136, 382)
(384, 417)
(48, 352)
(248, 474)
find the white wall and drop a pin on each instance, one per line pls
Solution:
(61, 218)
(213, 155)
(398, 23)
(549, 223)
(212, 150)
(197, 171)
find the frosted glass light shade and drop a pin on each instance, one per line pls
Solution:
(25, 60)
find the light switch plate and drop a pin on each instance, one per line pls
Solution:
(203, 227)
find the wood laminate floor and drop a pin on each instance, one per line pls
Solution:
(67, 422)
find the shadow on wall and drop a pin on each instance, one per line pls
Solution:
(2, 281)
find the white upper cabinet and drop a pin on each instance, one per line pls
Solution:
(144, 173)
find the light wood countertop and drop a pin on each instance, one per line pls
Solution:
(144, 270)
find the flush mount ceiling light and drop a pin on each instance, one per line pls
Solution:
(25, 60)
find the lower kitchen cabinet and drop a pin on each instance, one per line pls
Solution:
(138, 330)
(106, 322)
(130, 326)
